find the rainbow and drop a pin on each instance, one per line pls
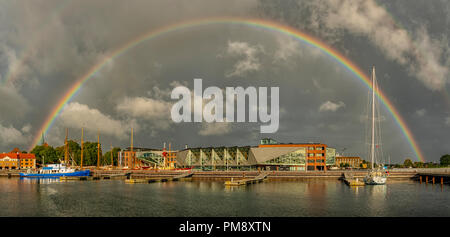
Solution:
(258, 23)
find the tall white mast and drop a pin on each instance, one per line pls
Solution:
(373, 116)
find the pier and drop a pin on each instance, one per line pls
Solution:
(433, 178)
(257, 179)
(350, 180)
(177, 177)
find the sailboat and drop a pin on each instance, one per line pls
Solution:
(375, 175)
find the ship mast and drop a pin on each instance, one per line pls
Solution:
(131, 148)
(98, 149)
(112, 159)
(66, 148)
(81, 162)
(373, 116)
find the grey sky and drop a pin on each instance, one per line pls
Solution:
(45, 46)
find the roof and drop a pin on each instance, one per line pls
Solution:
(291, 145)
(17, 155)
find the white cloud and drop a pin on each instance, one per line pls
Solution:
(330, 106)
(154, 110)
(11, 136)
(26, 128)
(287, 48)
(249, 61)
(421, 112)
(142, 107)
(418, 52)
(209, 129)
(75, 115)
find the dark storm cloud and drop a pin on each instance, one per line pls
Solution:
(50, 44)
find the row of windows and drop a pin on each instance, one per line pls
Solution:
(319, 148)
(317, 154)
(316, 160)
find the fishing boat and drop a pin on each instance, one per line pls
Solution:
(55, 170)
(376, 175)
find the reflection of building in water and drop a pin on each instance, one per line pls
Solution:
(268, 155)
(17, 160)
(39, 180)
(317, 195)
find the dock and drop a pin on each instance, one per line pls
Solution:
(83, 178)
(159, 179)
(352, 181)
(433, 177)
(257, 179)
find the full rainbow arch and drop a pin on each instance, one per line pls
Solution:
(259, 23)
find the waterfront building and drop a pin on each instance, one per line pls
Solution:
(268, 155)
(17, 160)
(330, 157)
(352, 161)
(147, 157)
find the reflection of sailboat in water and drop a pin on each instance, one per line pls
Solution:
(375, 175)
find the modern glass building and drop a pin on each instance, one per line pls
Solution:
(268, 155)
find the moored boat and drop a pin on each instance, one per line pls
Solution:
(57, 170)
(375, 175)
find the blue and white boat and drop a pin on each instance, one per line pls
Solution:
(57, 170)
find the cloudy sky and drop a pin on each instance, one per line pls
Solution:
(47, 45)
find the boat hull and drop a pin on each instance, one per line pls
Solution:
(377, 180)
(76, 173)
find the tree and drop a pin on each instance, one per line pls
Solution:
(445, 160)
(107, 156)
(45, 154)
(418, 164)
(408, 163)
(55, 155)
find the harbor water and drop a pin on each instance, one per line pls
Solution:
(313, 198)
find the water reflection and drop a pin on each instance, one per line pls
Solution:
(33, 180)
(235, 188)
(356, 189)
(317, 195)
(50, 197)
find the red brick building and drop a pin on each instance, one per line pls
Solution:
(17, 160)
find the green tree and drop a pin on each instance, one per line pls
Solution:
(418, 164)
(45, 154)
(107, 156)
(445, 160)
(89, 154)
(74, 150)
(408, 163)
(55, 155)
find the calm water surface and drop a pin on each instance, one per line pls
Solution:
(34, 197)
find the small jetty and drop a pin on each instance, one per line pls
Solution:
(135, 181)
(434, 177)
(67, 178)
(352, 181)
(257, 179)
(95, 177)
(163, 179)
